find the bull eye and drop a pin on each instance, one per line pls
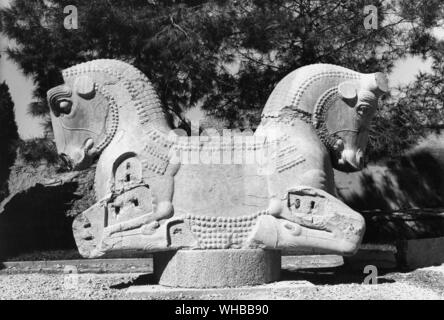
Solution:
(64, 106)
(362, 109)
(338, 145)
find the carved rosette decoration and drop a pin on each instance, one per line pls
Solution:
(151, 198)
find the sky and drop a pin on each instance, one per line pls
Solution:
(21, 86)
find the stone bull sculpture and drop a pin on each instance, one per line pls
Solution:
(151, 197)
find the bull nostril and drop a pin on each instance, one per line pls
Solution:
(360, 160)
(65, 160)
(89, 144)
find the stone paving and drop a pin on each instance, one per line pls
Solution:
(425, 283)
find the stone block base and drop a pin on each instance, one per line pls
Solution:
(276, 290)
(217, 268)
(420, 253)
(382, 256)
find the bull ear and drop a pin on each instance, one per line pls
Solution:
(84, 86)
(348, 91)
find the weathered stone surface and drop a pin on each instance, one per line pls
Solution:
(292, 263)
(153, 196)
(217, 268)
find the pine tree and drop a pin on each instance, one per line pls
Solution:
(8, 138)
(223, 56)
(414, 111)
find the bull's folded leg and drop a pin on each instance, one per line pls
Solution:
(273, 233)
(135, 223)
(91, 232)
(311, 218)
(135, 239)
(88, 228)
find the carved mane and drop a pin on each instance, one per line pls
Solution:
(107, 72)
(306, 89)
(306, 94)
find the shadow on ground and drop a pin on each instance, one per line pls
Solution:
(331, 276)
(334, 276)
(142, 280)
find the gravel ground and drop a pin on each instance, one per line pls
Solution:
(427, 283)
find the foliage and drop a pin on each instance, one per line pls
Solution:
(37, 151)
(224, 56)
(8, 137)
(415, 111)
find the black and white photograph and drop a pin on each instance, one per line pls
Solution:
(222, 155)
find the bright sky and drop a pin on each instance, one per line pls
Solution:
(21, 87)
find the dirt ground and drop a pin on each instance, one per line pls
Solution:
(426, 283)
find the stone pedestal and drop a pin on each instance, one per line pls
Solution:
(217, 268)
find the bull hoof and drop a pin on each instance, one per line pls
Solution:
(86, 236)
